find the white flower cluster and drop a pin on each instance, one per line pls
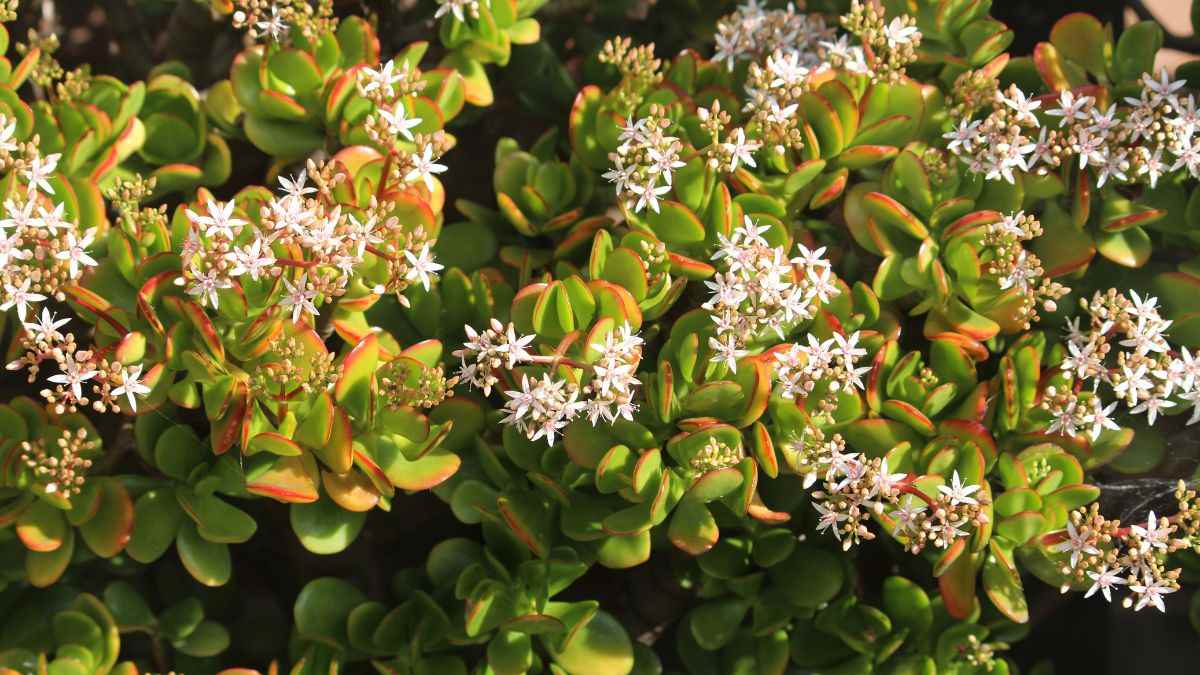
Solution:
(40, 251)
(609, 394)
(762, 289)
(490, 351)
(1013, 267)
(1108, 555)
(543, 406)
(753, 31)
(801, 367)
(413, 157)
(1124, 350)
(43, 340)
(853, 488)
(644, 163)
(1130, 143)
(460, 9)
(326, 243)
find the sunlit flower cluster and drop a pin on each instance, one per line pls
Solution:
(802, 367)
(1123, 350)
(274, 20)
(1138, 140)
(1004, 141)
(645, 161)
(855, 488)
(413, 157)
(888, 46)
(304, 238)
(1018, 269)
(41, 252)
(760, 289)
(544, 404)
(752, 32)
(84, 377)
(1104, 555)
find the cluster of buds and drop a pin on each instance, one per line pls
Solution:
(459, 9)
(46, 69)
(544, 405)
(971, 91)
(728, 149)
(126, 196)
(62, 470)
(716, 455)
(811, 454)
(1012, 266)
(292, 367)
(752, 32)
(409, 383)
(644, 162)
(761, 289)
(887, 46)
(773, 92)
(1123, 349)
(980, 654)
(800, 368)
(639, 70)
(1102, 552)
(275, 19)
(42, 340)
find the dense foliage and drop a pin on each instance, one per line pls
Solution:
(839, 318)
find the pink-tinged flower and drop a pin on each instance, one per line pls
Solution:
(21, 297)
(299, 297)
(72, 377)
(1078, 543)
(958, 492)
(421, 266)
(1104, 579)
(76, 253)
(131, 386)
(424, 168)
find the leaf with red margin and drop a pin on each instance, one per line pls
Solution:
(95, 304)
(956, 580)
(355, 388)
(232, 427)
(314, 430)
(109, 530)
(288, 480)
(528, 518)
(337, 452)
(41, 527)
(693, 529)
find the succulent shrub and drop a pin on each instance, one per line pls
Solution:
(820, 345)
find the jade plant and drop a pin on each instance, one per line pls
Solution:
(827, 343)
